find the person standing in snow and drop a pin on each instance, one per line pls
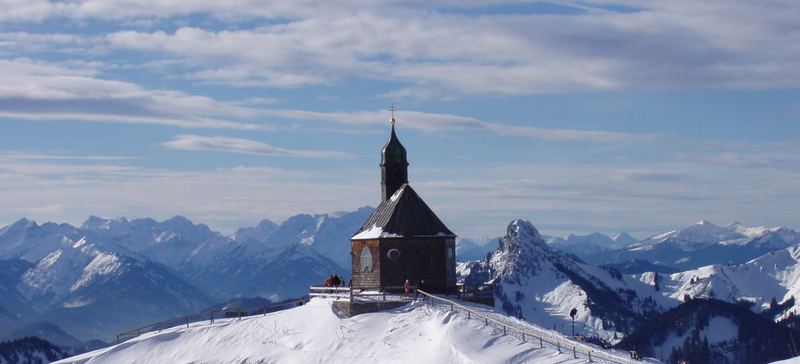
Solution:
(337, 281)
(420, 286)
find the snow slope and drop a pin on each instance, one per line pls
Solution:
(314, 333)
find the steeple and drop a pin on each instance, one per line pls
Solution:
(394, 165)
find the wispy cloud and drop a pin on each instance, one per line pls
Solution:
(32, 90)
(21, 155)
(238, 145)
(435, 122)
(435, 53)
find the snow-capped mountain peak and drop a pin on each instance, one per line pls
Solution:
(520, 233)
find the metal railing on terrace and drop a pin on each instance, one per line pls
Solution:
(210, 316)
(530, 334)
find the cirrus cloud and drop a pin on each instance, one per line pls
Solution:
(239, 145)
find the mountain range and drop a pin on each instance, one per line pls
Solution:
(109, 275)
(72, 284)
(540, 284)
(701, 244)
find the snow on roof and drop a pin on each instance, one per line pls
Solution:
(313, 333)
(404, 214)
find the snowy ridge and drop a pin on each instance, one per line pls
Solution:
(701, 244)
(776, 274)
(542, 286)
(705, 232)
(314, 333)
(581, 245)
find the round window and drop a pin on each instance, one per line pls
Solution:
(393, 254)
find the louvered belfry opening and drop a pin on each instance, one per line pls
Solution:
(403, 238)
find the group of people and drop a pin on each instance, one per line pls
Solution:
(408, 287)
(334, 280)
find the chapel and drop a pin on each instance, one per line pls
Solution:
(403, 238)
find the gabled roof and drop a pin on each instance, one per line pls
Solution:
(404, 215)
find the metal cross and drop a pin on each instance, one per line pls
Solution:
(392, 108)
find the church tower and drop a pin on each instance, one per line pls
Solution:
(403, 239)
(394, 166)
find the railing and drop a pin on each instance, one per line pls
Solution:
(358, 294)
(209, 315)
(526, 334)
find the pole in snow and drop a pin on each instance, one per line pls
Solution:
(572, 314)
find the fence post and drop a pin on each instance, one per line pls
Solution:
(504, 330)
(574, 352)
(384, 294)
(559, 347)
(523, 337)
(487, 322)
(138, 332)
(590, 356)
(541, 344)
(468, 315)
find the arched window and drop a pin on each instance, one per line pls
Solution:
(366, 260)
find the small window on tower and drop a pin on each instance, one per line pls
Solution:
(366, 260)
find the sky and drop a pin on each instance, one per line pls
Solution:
(580, 116)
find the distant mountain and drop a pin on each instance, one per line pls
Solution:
(255, 234)
(30, 350)
(702, 244)
(637, 266)
(300, 252)
(41, 329)
(711, 331)
(11, 300)
(85, 290)
(594, 243)
(773, 275)
(27, 240)
(469, 249)
(7, 319)
(542, 285)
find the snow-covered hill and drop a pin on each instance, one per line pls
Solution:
(702, 244)
(314, 333)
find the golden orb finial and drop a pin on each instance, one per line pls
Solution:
(392, 108)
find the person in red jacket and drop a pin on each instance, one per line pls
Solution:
(408, 287)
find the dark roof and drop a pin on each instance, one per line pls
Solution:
(393, 152)
(403, 215)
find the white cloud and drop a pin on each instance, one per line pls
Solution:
(435, 122)
(681, 44)
(238, 145)
(32, 90)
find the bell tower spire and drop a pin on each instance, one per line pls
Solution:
(394, 165)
